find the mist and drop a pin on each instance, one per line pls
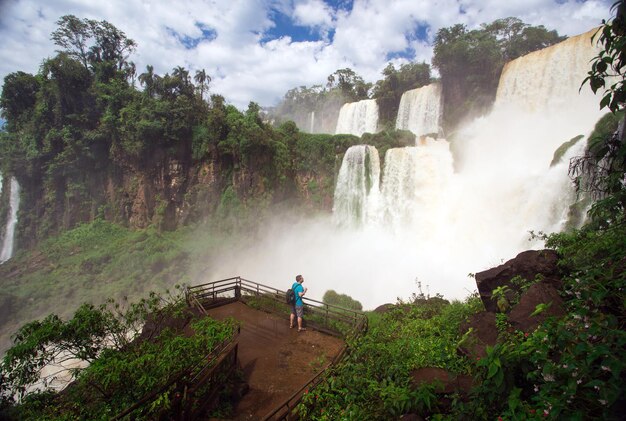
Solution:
(441, 210)
(463, 222)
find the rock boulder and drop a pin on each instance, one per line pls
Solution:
(527, 265)
(540, 293)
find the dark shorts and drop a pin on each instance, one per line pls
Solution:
(298, 311)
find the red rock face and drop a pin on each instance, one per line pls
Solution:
(527, 264)
(481, 329)
(483, 333)
(445, 381)
(521, 316)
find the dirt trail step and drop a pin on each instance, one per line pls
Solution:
(276, 360)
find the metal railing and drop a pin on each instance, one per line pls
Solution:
(228, 290)
(184, 385)
(217, 293)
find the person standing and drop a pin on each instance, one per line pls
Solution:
(297, 308)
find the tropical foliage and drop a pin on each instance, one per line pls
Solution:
(126, 353)
(601, 171)
(341, 300)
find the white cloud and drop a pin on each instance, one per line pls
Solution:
(245, 69)
(313, 13)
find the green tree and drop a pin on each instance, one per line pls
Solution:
(92, 42)
(341, 300)
(130, 69)
(351, 85)
(19, 95)
(470, 62)
(73, 35)
(181, 81)
(131, 352)
(517, 38)
(147, 79)
(608, 66)
(396, 82)
(66, 89)
(203, 80)
(601, 170)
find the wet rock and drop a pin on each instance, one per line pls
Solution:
(384, 308)
(411, 417)
(444, 381)
(527, 265)
(521, 315)
(482, 332)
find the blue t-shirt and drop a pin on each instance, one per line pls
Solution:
(297, 289)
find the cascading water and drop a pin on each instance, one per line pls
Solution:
(357, 190)
(429, 222)
(414, 179)
(358, 117)
(550, 78)
(420, 110)
(312, 122)
(447, 224)
(14, 201)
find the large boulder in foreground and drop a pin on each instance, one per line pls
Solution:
(479, 332)
(444, 381)
(527, 264)
(521, 316)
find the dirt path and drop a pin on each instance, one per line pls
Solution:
(276, 360)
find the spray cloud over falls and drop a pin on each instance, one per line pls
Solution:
(429, 222)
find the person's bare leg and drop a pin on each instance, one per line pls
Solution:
(300, 324)
(291, 317)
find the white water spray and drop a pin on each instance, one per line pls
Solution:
(14, 202)
(358, 117)
(550, 79)
(312, 122)
(357, 190)
(434, 224)
(420, 110)
(414, 182)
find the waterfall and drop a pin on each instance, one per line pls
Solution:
(427, 221)
(357, 191)
(550, 78)
(358, 117)
(312, 122)
(7, 245)
(438, 224)
(414, 179)
(420, 110)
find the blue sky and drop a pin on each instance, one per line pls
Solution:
(256, 50)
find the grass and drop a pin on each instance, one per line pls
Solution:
(101, 260)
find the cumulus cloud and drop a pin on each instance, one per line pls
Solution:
(229, 38)
(313, 13)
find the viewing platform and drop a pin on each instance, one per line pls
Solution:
(265, 367)
(278, 363)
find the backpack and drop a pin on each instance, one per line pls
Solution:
(291, 296)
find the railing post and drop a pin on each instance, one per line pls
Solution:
(326, 317)
(238, 288)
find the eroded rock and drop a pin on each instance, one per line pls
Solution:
(444, 381)
(527, 265)
(482, 332)
(521, 317)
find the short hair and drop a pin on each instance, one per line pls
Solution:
(298, 278)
